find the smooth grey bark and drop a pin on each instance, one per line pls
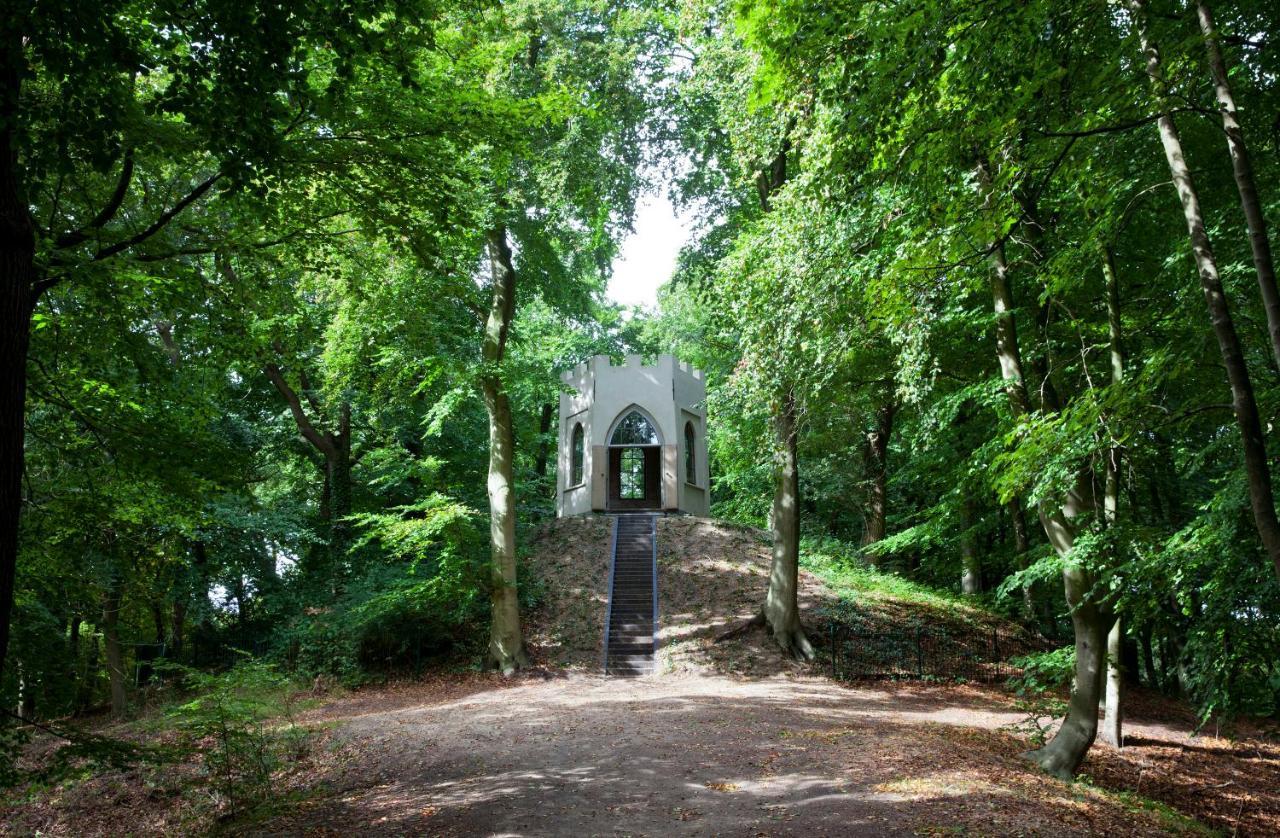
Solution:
(1112, 731)
(970, 562)
(1243, 402)
(781, 604)
(781, 611)
(1064, 753)
(1113, 717)
(1246, 182)
(506, 643)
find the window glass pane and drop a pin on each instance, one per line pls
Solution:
(578, 456)
(690, 471)
(631, 477)
(634, 430)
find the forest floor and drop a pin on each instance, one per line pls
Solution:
(727, 739)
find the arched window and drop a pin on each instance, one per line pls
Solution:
(634, 429)
(690, 461)
(579, 456)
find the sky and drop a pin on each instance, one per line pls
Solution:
(647, 257)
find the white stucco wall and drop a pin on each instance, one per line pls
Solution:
(598, 394)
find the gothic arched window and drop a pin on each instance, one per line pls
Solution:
(578, 456)
(690, 457)
(634, 429)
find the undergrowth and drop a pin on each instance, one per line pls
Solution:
(840, 565)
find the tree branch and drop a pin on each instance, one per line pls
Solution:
(300, 418)
(108, 212)
(159, 224)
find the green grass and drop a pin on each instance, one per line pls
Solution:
(840, 566)
(1170, 818)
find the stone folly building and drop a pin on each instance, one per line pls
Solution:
(633, 437)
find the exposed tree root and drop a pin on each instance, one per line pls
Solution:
(795, 644)
(742, 628)
(1055, 761)
(509, 664)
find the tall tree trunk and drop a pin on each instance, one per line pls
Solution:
(1243, 402)
(1112, 728)
(970, 562)
(17, 280)
(1063, 755)
(544, 449)
(1089, 622)
(506, 644)
(876, 466)
(781, 612)
(781, 604)
(1149, 658)
(1246, 184)
(1021, 544)
(115, 654)
(1113, 721)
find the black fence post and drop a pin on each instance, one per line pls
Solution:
(919, 655)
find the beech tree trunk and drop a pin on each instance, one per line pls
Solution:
(1112, 731)
(1113, 720)
(17, 279)
(1246, 183)
(1148, 659)
(970, 562)
(876, 466)
(1243, 402)
(1021, 544)
(506, 644)
(781, 604)
(1064, 753)
(115, 655)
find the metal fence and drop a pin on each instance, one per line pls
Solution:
(858, 652)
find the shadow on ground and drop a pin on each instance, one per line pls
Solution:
(699, 755)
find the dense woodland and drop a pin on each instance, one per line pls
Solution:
(983, 290)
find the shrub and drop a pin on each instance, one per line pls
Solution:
(241, 724)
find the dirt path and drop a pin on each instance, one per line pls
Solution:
(698, 755)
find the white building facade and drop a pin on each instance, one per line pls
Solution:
(633, 437)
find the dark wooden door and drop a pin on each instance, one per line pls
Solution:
(640, 487)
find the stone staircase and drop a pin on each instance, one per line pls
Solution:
(631, 629)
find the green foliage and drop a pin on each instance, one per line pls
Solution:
(241, 724)
(1039, 689)
(13, 738)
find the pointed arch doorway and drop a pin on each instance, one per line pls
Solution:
(635, 470)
